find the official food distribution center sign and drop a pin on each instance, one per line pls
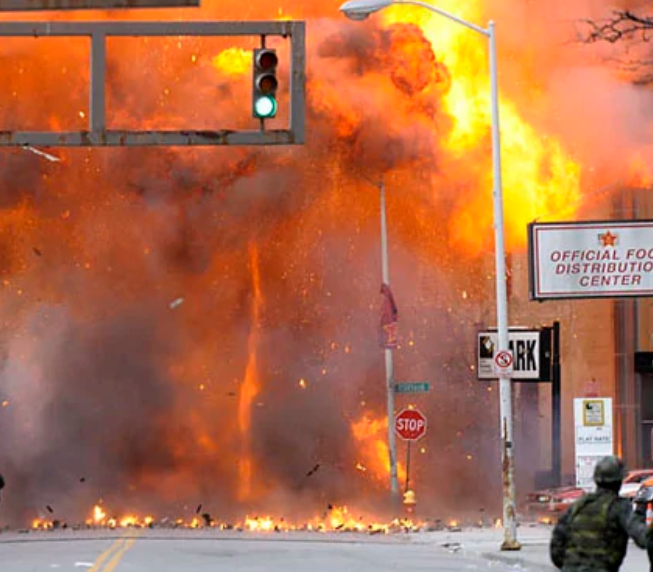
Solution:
(594, 437)
(603, 259)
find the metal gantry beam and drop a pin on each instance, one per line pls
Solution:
(98, 135)
(40, 5)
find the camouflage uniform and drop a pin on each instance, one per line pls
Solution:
(592, 536)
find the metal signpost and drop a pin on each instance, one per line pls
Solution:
(536, 354)
(410, 425)
(97, 134)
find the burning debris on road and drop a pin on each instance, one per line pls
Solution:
(336, 520)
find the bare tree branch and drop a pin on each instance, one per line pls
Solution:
(623, 25)
(630, 29)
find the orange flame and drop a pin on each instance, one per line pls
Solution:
(250, 386)
(233, 61)
(371, 434)
(539, 176)
(99, 516)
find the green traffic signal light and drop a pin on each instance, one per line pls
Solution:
(265, 106)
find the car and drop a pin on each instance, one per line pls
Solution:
(549, 504)
(643, 500)
(633, 481)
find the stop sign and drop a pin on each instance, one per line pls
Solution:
(410, 425)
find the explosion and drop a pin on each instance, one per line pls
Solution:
(185, 326)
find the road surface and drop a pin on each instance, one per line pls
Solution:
(199, 551)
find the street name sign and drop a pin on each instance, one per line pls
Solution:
(412, 387)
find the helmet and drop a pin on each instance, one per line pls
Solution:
(609, 470)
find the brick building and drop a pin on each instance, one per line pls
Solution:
(600, 340)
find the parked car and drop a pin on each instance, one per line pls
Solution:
(633, 481)
(643, 499)
(549, 504)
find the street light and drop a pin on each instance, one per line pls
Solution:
(359, 10)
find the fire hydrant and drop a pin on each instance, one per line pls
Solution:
(410, 501)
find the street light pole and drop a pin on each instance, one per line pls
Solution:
(505, 383)
(361, 9)
(389, 362)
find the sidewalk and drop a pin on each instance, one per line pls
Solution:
(534, 554)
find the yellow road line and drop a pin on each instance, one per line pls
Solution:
(99, 561)
(111, 565)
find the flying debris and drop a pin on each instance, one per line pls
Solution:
(208, 519)
(43, 154)
(176, 303)
(313, 470)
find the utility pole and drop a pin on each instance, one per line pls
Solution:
(389, 363)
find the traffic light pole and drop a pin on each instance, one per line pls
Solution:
(98, 135)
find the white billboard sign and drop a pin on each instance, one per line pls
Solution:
(593, 435)
(604, 259)
(526, 348)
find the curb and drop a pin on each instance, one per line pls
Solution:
(518, 561)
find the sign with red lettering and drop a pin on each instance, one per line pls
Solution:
(600, 259)
(410, 425)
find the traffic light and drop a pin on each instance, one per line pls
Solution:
(264, 89)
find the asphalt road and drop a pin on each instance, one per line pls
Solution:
(182, 551)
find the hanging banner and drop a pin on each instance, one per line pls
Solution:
(389, 316)
(593, 436)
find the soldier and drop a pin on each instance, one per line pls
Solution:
(592, 536)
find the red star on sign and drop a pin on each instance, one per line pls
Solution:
(608, 239)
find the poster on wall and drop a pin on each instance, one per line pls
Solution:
(593, 436)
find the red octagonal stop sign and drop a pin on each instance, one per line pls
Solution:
(410, 425)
